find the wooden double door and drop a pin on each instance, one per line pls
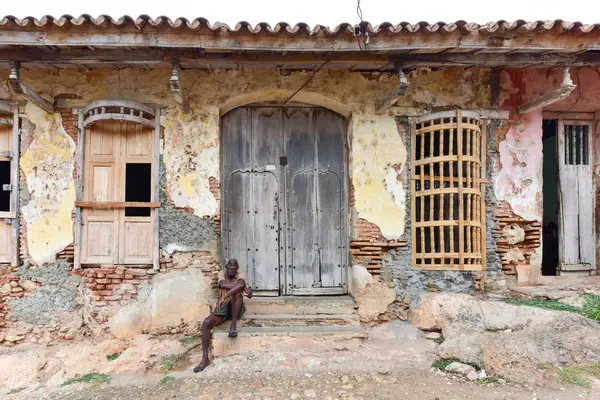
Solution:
(118, 168)
(284, 199)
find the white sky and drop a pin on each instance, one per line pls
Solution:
(325, 12)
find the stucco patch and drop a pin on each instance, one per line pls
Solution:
(192, 157)
(519, 181)
(378, 154)
(48, 168)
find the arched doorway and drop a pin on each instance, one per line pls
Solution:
(284, 203)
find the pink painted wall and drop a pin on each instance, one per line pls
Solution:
(519, 180)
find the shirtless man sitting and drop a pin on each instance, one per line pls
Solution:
(230, 307)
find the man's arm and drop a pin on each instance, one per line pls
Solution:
(224, 285)
(235, 288)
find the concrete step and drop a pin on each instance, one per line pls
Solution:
(314, 339)
(281, 320)
(293, 305)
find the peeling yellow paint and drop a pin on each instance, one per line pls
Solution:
(48, 167)
(377, 151)
(191, 142)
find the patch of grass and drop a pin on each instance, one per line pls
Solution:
(491, 380)
(442, 363)
(439, 340)
(16, 390)
(113, 357)
(87, 378)
(171, 362)
(189, 339)
(166, 379)
(579, 375)
(591, 307)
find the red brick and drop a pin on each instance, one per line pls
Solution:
(100, 287)
(137, 272)
(103, 281)
(127, 276)
(116, 281)
(100, 275)
(98, 298)
(115, 276)
(104, 293)
(133, 281)
(104, 270)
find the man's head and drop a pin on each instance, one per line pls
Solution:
(231, 269)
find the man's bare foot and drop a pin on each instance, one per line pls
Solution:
(200, 367)
(233, 333)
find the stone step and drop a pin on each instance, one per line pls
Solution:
(314, 339)
(281, 320)
(293, 305)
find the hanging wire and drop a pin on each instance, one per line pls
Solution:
(359, 27)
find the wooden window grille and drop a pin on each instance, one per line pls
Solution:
(448, 179)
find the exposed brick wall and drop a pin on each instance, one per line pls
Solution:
(369, 247)
(215, 189)
(113, 285)
(512, 250)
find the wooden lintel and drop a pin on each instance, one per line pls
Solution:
(26, 93)
(385, 103)
(116, 204)
(568, 115)
(177, 89)
(7, 106)
(550, 98)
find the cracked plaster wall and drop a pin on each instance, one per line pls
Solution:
(190, 146)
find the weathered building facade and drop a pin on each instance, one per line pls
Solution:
(137, 155)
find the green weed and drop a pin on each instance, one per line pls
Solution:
(171, 362)
(16, 390)
(87, 378)
(442, 363)
(189, 339)
(591, 307)
(579, 375)
(113, 357)
(166, 379)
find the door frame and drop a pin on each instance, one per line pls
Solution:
(14, 214)
(285, 273)
(148, 115)
(560, 124)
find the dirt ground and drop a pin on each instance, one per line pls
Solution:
(381, 369)
(406, 383)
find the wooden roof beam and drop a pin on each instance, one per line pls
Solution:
(386, 102)
(177, 88)
(500, 59)
(14, 81)
(555, 96)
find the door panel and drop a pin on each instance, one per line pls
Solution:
(101, 246)
(136, 246)
(265, 271)
(303, 223)
(136, 233)
(6, 247)
(577, 247)
(330, 229)
(239, 230)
